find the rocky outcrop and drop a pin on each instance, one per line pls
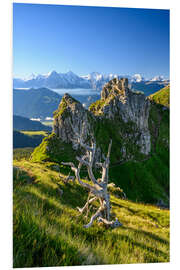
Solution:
(128, 111)
(130, 106)
(71, 117)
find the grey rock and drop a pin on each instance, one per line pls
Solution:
(74, 119)
(130, 106)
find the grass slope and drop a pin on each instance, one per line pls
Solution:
(22, 153)
(53, 149)
(35, 133)
(162, 97)
(49, 232)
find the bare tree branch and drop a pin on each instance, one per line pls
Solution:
(98, 189)
(97, 214)
(113, 224)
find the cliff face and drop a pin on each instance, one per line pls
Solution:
(130, 106)
(120, 113)
(70, 117)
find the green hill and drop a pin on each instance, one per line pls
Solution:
(162, 97)
(23, 123)
(28, 139)
(42, 102)
(48, 230)
(35, 103)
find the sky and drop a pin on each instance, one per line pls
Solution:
(86, 39)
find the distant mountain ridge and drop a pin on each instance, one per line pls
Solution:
(35, 103)
(21, 140)
(52, 80)
(41, 102)
(69, 80)
(23, 123)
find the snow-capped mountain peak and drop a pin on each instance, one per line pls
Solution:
(53, 79)
(157, 78)
(52, 73)
(137, 78)
(70, 73)
(31, 77)
(94, 80)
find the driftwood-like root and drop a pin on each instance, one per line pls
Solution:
(112, 224)
(86, 206)
(98, 187)
(97, 214)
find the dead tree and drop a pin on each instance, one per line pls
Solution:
(98, 188)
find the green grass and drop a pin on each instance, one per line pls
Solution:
(162, 96)
(22, 153)
(63, 107)
(47, 230)
(34, 133)
(53, 149)
(146, 181)
(96, 106)
(122, 135)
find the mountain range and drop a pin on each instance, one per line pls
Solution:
(70, 80)
(41, 102)
(23, 123)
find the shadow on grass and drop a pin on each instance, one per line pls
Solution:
(21, 177)
(148, 234)
(73, 195)
(34, 247)
(157, 252)
(42, 200)
(126, 207)
(155, 219)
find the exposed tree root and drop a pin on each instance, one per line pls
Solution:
(98, 188)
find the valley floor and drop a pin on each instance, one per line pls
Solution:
(48, 230)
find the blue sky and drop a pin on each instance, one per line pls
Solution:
(86, 39)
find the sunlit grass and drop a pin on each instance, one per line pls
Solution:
(31, 133)
(48, 230)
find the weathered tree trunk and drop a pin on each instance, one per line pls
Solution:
(98, 189)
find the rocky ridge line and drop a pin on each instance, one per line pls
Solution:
(117, 102)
